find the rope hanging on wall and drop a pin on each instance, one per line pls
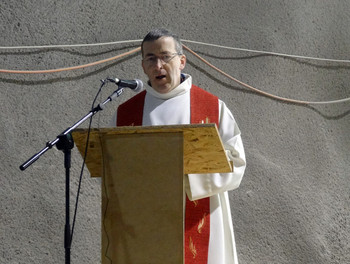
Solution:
(284, 99)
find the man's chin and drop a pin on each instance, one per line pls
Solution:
(162, 89)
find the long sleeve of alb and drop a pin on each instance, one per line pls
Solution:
(204, 185)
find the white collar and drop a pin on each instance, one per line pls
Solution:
(184, 87)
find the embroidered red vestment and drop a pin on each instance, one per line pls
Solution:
(204, 109)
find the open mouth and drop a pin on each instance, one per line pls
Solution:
(160, 77)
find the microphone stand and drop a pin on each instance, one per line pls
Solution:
(64, 142)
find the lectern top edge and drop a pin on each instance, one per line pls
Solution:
(148, 129)
(203, 149)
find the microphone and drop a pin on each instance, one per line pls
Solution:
(135, 85)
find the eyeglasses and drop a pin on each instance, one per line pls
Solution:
(164, 59)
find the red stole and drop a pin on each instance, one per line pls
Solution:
(204, 109)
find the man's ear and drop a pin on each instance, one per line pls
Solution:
(182, 61)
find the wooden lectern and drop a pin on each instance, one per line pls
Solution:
(142, 170)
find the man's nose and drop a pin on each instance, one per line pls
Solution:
(159, 63)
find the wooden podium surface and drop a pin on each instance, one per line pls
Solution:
(142, 171)
(203, 149)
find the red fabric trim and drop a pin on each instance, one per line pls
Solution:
(204, 109)
(130, 113)
(203, 105)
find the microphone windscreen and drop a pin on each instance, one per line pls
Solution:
(139, 86)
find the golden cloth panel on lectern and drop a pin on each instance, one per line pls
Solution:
(143, 199)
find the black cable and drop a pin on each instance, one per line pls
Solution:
(84, 159)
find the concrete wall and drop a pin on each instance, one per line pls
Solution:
(293, 204)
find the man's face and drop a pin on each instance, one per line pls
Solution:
(165, 74)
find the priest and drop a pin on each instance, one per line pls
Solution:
(170, 98)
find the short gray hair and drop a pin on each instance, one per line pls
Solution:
(161, 32)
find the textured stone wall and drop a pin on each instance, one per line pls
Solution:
(293, 204)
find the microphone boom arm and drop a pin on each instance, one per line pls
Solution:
(92, 112)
